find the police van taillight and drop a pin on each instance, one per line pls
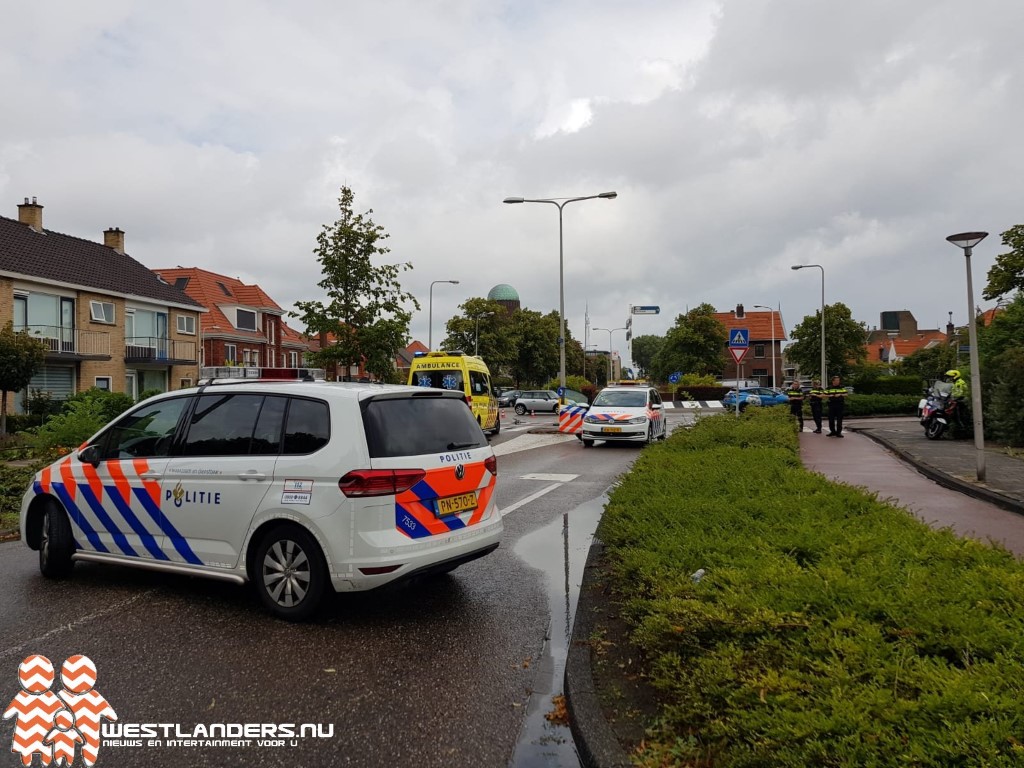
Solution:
(379, 482)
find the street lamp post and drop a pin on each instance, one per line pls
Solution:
(430, 315)
(824, 378)
(967, 241)
(772, 310)
(560, 203)
(610, 332)
(476, 335)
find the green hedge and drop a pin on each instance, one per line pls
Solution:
(830, 628)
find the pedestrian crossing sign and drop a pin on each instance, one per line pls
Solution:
(739, 337)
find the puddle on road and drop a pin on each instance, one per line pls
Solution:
(559, 549)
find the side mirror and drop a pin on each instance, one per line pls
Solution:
(656, 406)
(90, 455)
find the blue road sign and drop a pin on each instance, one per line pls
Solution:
(561, 391)
(646, 310)
(673, 378)
(739, 337)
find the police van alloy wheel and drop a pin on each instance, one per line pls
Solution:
(290, 573)
(56, 544)
(520, 409)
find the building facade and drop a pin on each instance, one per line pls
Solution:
(767, 332)
(104, 319)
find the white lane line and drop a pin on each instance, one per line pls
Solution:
(526, 442)
(35, 642)
(532, 497)
(550, 478)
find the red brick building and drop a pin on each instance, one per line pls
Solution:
(767, 333)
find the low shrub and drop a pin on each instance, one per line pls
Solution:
(890, 385)
(701, 393)
(828, 628)
(881, 405)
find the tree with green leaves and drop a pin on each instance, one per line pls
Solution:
(366, 308)
(645, 349)
(1007, 274)
(694, 344)
(844, 341)
(492, 321)
(21, 356)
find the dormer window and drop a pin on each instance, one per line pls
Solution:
(246, 320)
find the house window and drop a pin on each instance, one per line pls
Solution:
(759, 372)
(270, 331)
(184, 383)
(230, 353)
(256, 357)
(103, 382)
(245, 320)
(102, 311)
(245, 357)
(187, 325)
(759, 350)
(293, 359)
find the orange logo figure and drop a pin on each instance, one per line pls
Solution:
(64, 737)
(78, 674)
(34, 708)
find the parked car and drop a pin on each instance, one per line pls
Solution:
(300, 488)
(507, 398)
(537, 400)
(754, 396)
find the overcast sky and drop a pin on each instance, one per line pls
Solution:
(742, 137)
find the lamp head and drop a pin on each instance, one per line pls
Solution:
(513, 200)
(797, 266)
(454, 282)
(967, 240)
(606, 195)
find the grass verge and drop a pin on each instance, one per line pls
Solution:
(829, 628)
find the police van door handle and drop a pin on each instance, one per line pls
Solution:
(251, 474)
(151, 475)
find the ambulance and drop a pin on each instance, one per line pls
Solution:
(459, 372)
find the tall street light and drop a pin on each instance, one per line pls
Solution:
(772, 310)
(967, 241)
(560, 203)
(824, 378)
(430, 316)
(476, 336)
(610, 332)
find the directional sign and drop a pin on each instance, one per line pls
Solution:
(673, 378)
(738, 353)
(739, 337)
(646, 310)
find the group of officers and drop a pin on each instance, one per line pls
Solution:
(835, 396)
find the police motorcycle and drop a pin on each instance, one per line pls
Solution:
(938, 409)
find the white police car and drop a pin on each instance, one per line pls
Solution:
(291, 485)
(625, 412)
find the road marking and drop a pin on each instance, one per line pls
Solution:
(550, 478)
(35, 642)
(526, 442)
(532, 497)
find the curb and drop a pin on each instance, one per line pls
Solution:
(945, 480)
(595, 741)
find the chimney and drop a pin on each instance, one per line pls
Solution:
(114, 238)
(950, 329)
(31, 214)
(739, 310)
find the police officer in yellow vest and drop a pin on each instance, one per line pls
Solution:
(817, 397)
(796, 402)
(836, 395)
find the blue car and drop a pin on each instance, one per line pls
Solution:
(754, 396)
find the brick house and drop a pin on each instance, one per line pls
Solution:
(766, 329)
(404, 358)
(105, 319)
(242, 325)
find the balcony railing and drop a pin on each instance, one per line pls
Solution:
(70, 341)
(153, 349)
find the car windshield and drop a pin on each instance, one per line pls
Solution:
(620, 399)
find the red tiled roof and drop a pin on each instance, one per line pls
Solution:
(213, 290)
(60, 258)
(758, 323)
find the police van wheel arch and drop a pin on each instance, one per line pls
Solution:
(289, 572)
(56, 542)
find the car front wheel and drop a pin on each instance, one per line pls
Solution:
(56, 544)
(291, 575)
(520, 409)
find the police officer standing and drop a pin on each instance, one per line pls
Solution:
(836, 395)
(796, 402)
(817, 396)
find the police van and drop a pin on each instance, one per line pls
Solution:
(459, 372)
(294, 486)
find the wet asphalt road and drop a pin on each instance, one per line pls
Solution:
(434, 674)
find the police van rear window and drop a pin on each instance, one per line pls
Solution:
(416, 426)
